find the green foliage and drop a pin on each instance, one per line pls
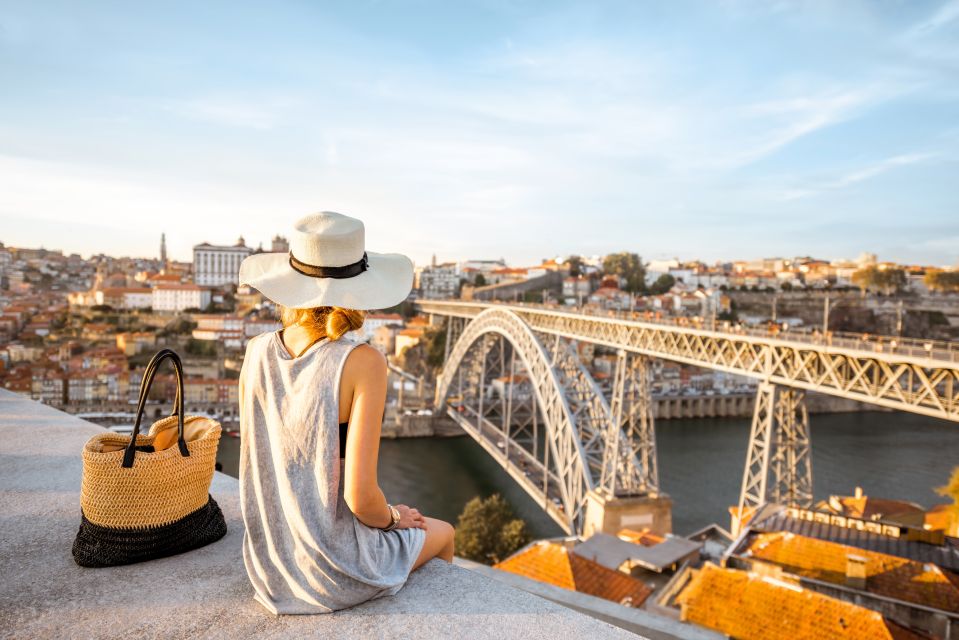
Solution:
(630, 267)
(200, 347)
(951, 490)
(488, 532)
(575, 265)
(427, 355)
(178, 326)
(663, 284)
(872, 278)
(436, 348)
(479, 280)
(945, 281)
(405, 309)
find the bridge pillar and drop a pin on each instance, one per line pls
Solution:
(779, 442)
(608, 514)
(632, 434)
(628, 494)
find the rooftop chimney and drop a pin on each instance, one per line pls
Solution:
(856, 571)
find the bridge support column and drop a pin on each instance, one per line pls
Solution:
(632, 433)
(779, 438)
(628, 494)
(612, 514)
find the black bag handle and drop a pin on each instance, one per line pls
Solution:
(145, 391)
(145, 383)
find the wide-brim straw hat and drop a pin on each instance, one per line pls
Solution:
(328, 266)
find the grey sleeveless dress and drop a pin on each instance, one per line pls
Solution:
(304, 550)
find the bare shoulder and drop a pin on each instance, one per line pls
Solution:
(365, 361)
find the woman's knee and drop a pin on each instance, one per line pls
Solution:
(443, 529)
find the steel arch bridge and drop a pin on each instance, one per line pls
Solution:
(529, 401)
(514, 382)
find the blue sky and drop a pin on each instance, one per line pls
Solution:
(724, 129)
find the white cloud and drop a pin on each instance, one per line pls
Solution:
(859, 175)
(225, 112)
(947, 13)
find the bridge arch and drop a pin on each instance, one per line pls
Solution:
(557, 474)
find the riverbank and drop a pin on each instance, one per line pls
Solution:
(889, 454)
(676, 407)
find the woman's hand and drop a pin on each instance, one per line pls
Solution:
(410, 518)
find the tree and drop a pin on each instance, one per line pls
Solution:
(575, 265)
(425, 357)
(630, 267)
(663, 284)
(487, 532)
(873, 278)
(951, 490)
(200, 347)
(480, 280)
(945, 281)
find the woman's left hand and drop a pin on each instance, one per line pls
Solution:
(410, 518)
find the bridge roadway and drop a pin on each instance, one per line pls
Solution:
(910, 375)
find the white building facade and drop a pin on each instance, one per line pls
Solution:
(179, 297)
(215, 266)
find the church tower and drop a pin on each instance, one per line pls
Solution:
(163, 248)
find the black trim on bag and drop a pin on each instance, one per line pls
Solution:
(99, 546)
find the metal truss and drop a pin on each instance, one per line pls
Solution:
(502, 382)
(923, 385)
(554, 473)
(779, 438)
(629, 461)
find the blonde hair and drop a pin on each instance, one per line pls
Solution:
(323, 322)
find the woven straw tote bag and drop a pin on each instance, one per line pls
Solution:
(148, 496)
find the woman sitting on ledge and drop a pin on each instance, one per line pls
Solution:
(320, 535)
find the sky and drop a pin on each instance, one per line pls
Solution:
(728, 129)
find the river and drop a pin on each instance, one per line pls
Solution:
(890, 455)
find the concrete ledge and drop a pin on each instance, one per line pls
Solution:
(204, 593)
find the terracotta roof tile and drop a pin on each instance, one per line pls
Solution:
(552, 563)
(745, 605)
(545, 561)
(900, 578)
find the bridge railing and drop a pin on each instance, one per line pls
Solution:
(916, 347)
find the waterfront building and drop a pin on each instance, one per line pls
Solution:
(134, 342)
(210, 390)
(576, 289)
(229, 330)
(125, 297)
(179, 297)
(438, 281)
(373, 321)
(218, 265)
(253, 326)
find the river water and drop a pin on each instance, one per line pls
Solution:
(890, 455)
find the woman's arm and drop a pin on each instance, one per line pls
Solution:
(363, 389)
(364, 380)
